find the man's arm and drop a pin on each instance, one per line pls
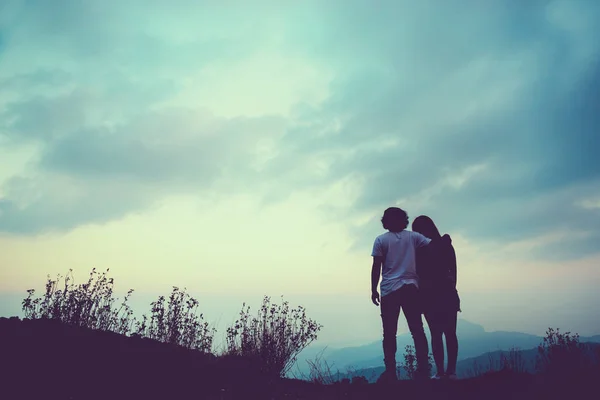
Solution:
(375, 274)
(420, 240)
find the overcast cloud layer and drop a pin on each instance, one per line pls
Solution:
(482, 114)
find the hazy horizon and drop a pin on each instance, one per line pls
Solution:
(342, 328)
(249, 150)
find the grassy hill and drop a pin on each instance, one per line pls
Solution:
(78, 343)
(44, 359)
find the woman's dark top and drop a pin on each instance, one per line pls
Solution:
(436, 267)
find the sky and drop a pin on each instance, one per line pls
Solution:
(242, 149)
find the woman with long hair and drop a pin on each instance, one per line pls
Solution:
(436, 268)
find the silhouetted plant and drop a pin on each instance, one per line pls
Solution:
(409, 365)
(513, 360)
(177, 322)
(89, 304)
(276, 335)
(506, 361)
(562, 354)
(410, 362)
(353, 372)
(493, 365)
(320, 371)
(92, 305)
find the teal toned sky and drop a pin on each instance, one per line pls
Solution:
(243, 149)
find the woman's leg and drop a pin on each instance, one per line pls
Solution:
(437, 344)
(451, 342)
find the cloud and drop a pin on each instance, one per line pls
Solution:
(42, 77)
(182, 145)
(483, 115)
(468, 93)
(97, 175)
(59, 203)
(90, 90)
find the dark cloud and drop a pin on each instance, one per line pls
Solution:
(43, 118)
(180, 145)
(143, 38)
(94, 175)
(535, 186)
(534, 124)
(572, 132)
(43, 77)
(51, 203)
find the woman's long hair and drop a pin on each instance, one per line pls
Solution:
(425, 226)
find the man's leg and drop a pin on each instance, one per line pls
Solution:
(412, 312)
(390, 311)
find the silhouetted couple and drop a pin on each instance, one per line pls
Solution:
(418, 276)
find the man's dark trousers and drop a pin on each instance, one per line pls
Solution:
(407, 299)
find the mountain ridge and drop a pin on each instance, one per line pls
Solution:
(474, 341)
(523, 359)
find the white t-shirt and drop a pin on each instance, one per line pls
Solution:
(398, 250)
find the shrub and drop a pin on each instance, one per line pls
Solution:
(92, 305)
(89, 305)
(276, 335)
(410, 363)
(562, 354)
(178, 323)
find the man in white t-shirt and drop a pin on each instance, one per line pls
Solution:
(394, 254)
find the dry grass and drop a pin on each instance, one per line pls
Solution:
(274, 337)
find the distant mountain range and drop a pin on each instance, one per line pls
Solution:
(474, 366)
(475, 345)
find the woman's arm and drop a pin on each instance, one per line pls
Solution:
(452, 265)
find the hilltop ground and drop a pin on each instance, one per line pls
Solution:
(43, 359)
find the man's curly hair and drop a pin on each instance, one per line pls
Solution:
(394, 219)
